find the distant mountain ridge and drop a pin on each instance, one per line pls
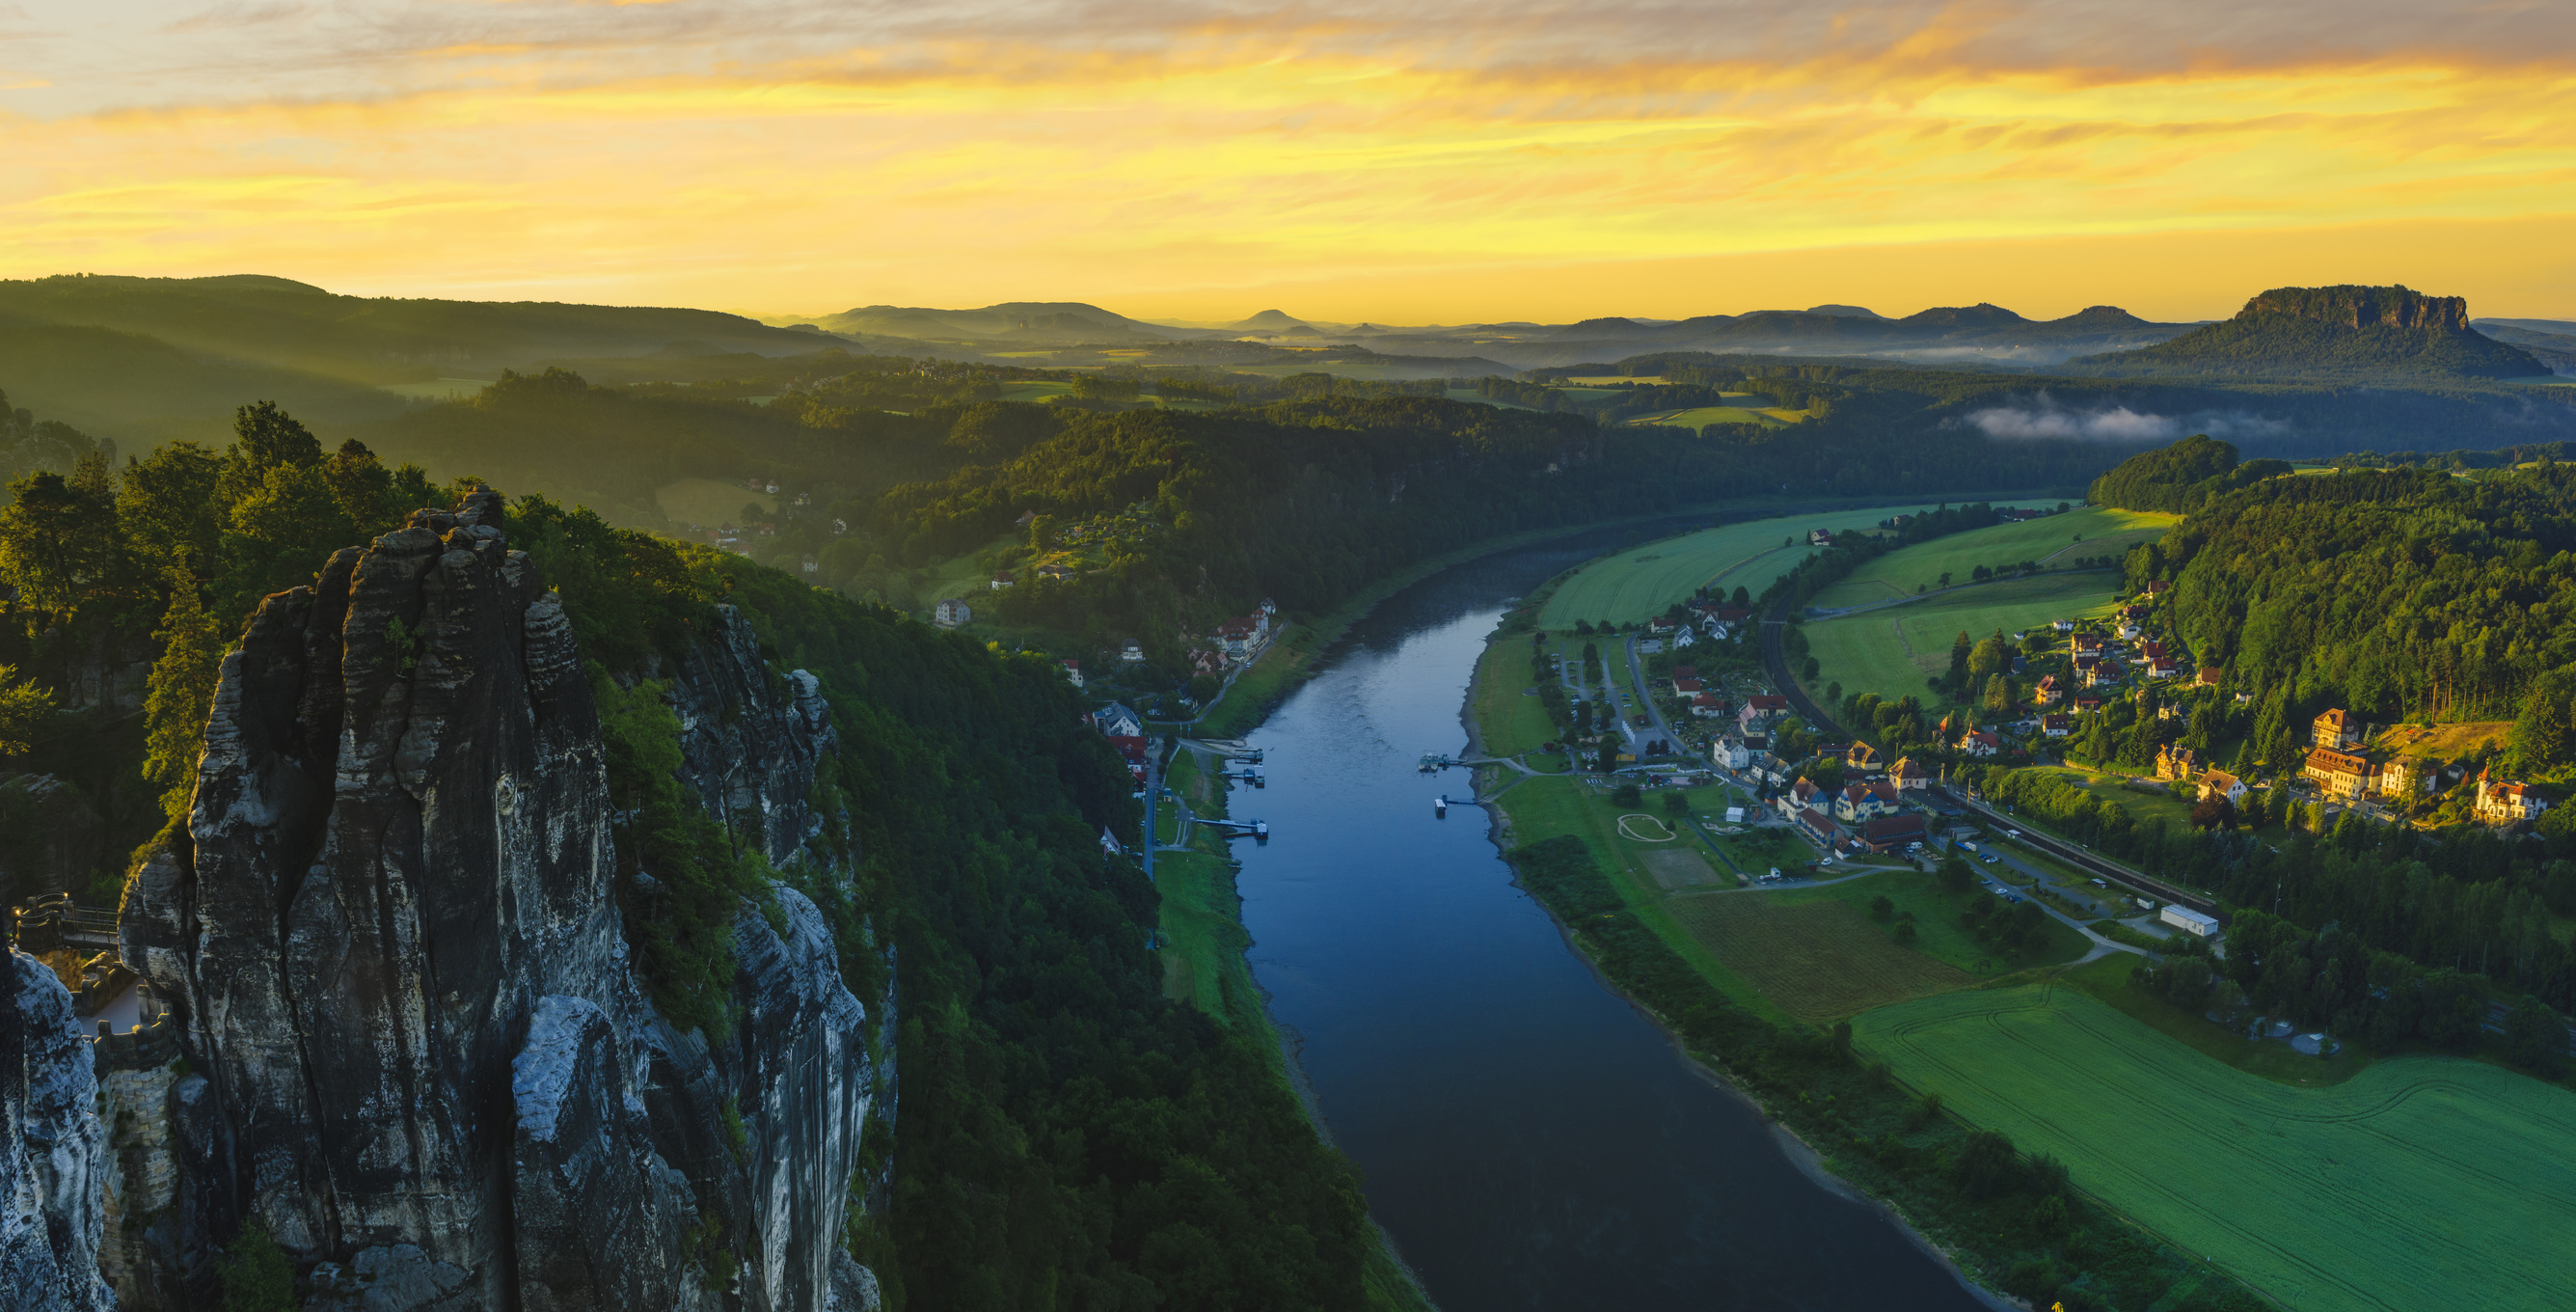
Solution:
(2292, 331)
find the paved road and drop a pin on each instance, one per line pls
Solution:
(1153, 785)
(2101, 946)
(1654, 713)
(1778, 665)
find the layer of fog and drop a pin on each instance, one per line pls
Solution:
(2043, 416)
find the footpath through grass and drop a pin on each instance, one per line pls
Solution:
(2420, 1182)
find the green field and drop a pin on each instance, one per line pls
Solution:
(1699, 417)
(1203, 937)
(1642, 581)
(707, 501)
(1899, 573)
(1818, 960)
(1509, 721)
(1544, 808)
(1035, 390)
(2421, 1182)
(1890, 652)
(1936, 921)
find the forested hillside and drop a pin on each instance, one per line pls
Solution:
(2179, 478)
(1305, 501)
(1067, 1135)
(2398, 594)
(2381, 331)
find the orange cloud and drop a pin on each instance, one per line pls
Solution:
(1386, 184)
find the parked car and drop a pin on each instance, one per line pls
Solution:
(1990, 858)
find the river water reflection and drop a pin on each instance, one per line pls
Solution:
(1529, 1139)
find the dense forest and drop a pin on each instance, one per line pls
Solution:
(2465, 904)
(1068, 1137)
(2398, 594)
(2180, 478)
(1305, 501)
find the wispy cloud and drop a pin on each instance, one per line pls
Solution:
(793, 149)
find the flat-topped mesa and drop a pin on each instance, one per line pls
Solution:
(2363, 307)
(392, 943)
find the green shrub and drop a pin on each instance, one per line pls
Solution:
(257, 1275)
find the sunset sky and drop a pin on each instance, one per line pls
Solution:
(1433, 162)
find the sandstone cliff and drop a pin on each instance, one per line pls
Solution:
(415, 1050)
(54, 1157)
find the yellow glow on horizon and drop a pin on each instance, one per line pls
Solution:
(1368, 187)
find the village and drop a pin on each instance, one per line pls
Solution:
(2078, 694)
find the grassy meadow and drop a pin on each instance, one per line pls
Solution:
(1509, 720)
(1936, 921)
(1891, 652)
(1561, 804)
(2419, 1182)
(1642, 581)
(1898, 573)
(1698, 417)
(1819, 960)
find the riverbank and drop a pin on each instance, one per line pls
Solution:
(1290, 658)
(1204, 943)
(1848, 1123)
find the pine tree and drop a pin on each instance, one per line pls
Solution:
(181, 695)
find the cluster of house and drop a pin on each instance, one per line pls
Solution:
(1866, 815)
(1696, 696)
(2341, 768)
(2100, 660)
(1703, 618)
(1125, 731)
(1236, 642)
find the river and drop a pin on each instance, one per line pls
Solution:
(1528, 1137)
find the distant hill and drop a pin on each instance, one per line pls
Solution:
(146, 360)
(2348, 330)
(1270, 321)
(372, 340)
(2551, 341)
(1979, 315)
(1056, 321)
(1943, 333)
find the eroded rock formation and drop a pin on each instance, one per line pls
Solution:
(390, 943)
(53, 1160)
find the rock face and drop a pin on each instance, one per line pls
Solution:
(394, 953)
(53, 1161)
(2363, 307)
